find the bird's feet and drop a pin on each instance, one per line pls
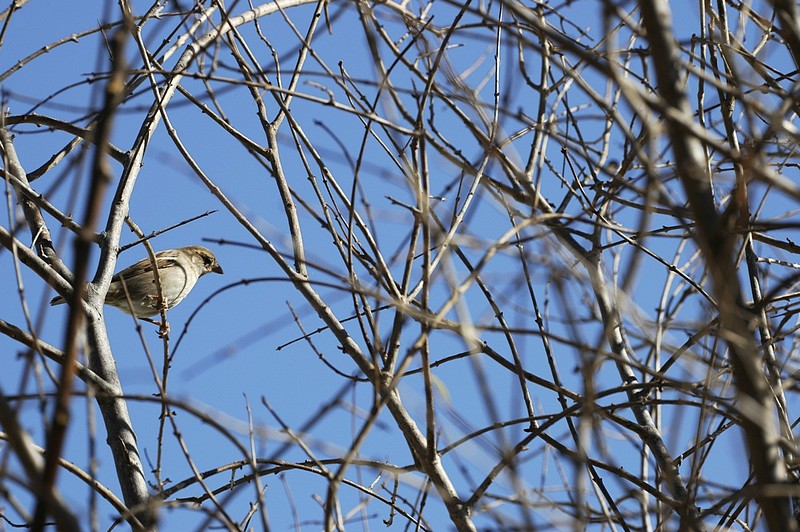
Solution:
(163, 327)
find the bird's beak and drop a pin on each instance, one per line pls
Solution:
(217, 269)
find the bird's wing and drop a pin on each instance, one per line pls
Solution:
(145, 266)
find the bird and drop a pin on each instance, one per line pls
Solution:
(178, 271)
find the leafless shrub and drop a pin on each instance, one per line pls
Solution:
(490, 265)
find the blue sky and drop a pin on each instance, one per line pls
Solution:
(229, 357)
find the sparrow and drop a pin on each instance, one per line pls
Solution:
(178, 271)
